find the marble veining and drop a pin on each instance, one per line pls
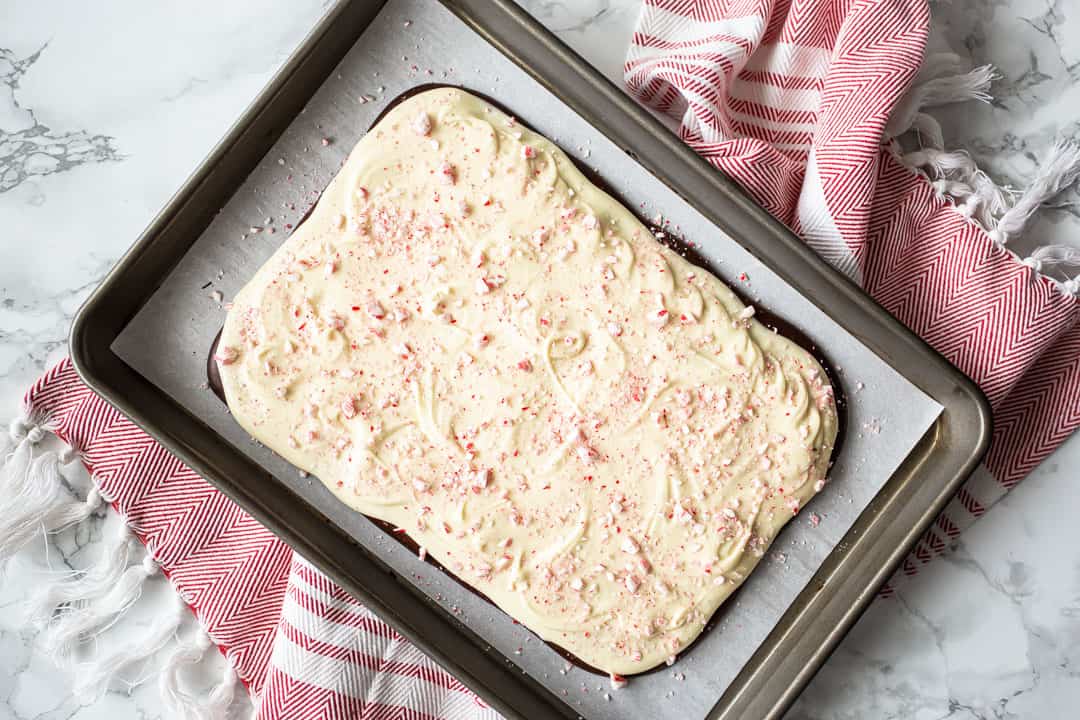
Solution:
(989, 631)
(28, 148)
(93, 140)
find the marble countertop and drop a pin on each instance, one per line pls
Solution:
(103, 115)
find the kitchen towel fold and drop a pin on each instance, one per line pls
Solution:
(819, 110)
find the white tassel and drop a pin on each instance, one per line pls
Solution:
(939, 163)
(939, 89)
(75, 593)
(69, 630)
(186, 705)
(182, 703)
(1002, 212)
(929, 130)
(995, 199)
(15, 481)
(941, 81)
(955, 174)
(1058, 172)
(1050, 257)
(223, 694)
(955, 188)
(91, 679)
(33, 497)
(78, 608)
(940, 64)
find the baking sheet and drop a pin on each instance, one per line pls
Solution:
(414, 42)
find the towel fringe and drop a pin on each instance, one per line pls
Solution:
(1049, 256)
(223, 694)
(939, 84)
(209, 706)
(76, 591)
(92, 679)
(1000, 211)
(68, 631)
(186, 653)
(1056, 173)
(77, 607)
(33, 494)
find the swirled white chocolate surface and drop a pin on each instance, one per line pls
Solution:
(469, 340)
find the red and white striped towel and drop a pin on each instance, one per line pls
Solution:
(793, 98)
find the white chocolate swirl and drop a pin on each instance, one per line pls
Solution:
(471, 341)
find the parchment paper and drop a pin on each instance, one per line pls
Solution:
(415, 42)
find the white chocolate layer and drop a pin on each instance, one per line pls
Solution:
(471, 341)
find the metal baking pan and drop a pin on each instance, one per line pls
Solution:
(842, 586)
